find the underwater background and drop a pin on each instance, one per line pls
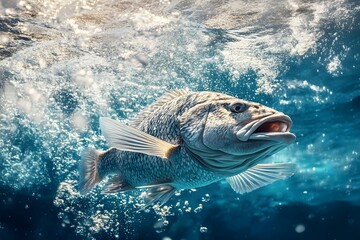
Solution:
(65, 63)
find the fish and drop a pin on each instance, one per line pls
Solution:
(186, 140)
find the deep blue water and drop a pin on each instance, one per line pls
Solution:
(63, 64)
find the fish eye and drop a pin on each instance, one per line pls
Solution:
(238, 107)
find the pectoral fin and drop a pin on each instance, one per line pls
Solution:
(126, 138)
(260, 175)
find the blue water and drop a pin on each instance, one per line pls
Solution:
(65, 63)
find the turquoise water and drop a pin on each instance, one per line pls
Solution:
(63, 64)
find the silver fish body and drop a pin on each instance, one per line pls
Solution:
(188, 140)
(139, 169)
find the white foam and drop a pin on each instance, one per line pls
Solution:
(84, 78)
(80, 121)
(4, 38)
(145, 20)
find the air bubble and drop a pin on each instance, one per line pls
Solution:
(300, 228)
(198, 209)
(203, 229)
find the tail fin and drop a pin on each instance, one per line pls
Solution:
(89, 175)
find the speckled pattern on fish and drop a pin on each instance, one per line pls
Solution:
(188, 140)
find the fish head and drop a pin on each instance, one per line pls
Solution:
(240, 126)
(229, 134)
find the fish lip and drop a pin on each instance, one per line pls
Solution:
(247, 132)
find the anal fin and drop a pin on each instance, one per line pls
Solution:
(158, 194)
(260, 175)
(117, 184)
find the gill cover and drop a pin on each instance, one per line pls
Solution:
(193, 123)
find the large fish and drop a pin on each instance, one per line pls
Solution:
(187, 140)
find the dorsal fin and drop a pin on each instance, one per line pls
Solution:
(126, 138)
(159, 103)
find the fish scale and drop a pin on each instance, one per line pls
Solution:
(188, 140)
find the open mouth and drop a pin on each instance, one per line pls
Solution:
(275, 127)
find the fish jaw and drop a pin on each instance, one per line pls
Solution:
(274, 127)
